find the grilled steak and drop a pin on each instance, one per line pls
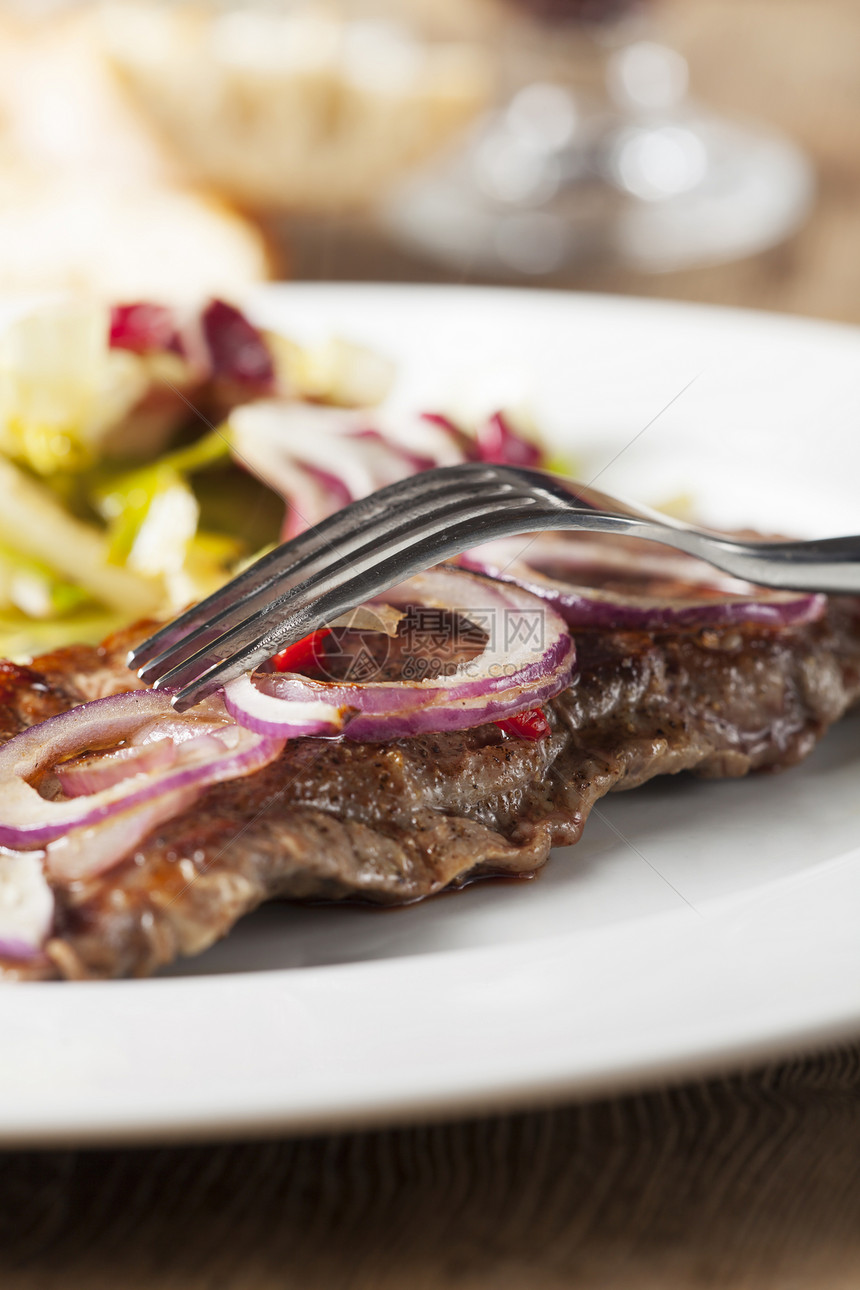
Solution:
(394, 822)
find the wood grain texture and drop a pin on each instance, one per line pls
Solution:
(752, 1182)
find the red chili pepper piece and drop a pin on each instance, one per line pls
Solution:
(526, 725)
(304, 653)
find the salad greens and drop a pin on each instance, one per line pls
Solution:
(116, 506)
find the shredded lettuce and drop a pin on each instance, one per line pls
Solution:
(61, 386)
(562, 463)
(152, 516)
(100, 524)
(34, 589)
(34, 524)
(338, 372)
(21, 636)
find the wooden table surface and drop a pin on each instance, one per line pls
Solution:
(751, 1180)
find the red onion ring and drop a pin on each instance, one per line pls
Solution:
(90, 775)
(319, 457)
(706, 597)
(414, 461)
(273, 714)
(18, 951)
(510, 676)
(178, 729)
(86, 852)
(28, 820)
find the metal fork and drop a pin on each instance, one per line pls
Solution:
(375, 543)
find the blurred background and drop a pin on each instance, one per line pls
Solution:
(704, 150)
(700, 149)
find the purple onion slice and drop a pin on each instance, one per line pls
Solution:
(621, 583)
(267, 712)
(84, 853)
(95, 772)
(528, 658)
(28, 820)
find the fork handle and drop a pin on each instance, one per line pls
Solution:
(830, 565)
(742, 559)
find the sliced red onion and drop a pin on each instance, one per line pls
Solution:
(529, 658)
(205, 747)
(29, 820)
(18, 951)
(178, 729)
(85, 852)
(684, 592)
(268, 714)
(92, 774)
(414, 461)
(320, 457)
(26, 904)
(264, 704)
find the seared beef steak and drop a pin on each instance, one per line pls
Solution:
(397, 821)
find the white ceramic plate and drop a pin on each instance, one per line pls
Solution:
(696, 925)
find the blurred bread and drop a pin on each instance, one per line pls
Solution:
(88, 197)
(292, 110)
(122, 241)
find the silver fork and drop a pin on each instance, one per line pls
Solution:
(378, 541)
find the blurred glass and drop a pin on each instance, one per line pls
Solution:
(600, 156)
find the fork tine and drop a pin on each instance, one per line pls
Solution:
(291, 556)
(288, 590)
(373, 581)
(281, 586)
(278, 585)
(292, 601)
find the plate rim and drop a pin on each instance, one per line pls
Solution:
(180, 1124)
